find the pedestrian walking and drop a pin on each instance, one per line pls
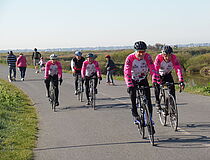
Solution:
(11, 61)
(22, 64)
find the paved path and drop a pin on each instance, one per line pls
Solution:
(76, 132)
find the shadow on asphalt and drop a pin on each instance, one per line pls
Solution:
(196, 127)
(183, 141)
(91, 145)
(107, 99)
(98, 107)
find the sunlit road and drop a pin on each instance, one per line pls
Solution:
(76, 132)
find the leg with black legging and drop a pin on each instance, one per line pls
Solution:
(157, 94)
(47, 84)
(55, 83)
(169, 78)
(87, 88)
(76, 81)
(133, 102)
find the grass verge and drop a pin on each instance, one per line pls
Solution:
(18, 124)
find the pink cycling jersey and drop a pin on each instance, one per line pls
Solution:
(137, 69)
(164, 67)
(53, 69)
(89, 69)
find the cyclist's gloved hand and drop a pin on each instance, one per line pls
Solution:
(155, 84)
(182, 85)
(130, 89)
(46, 80)
(100, 78)
(61, 80)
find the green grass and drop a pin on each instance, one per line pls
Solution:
(18, 124)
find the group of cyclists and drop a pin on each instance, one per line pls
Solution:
(138, 64)
(136, 68)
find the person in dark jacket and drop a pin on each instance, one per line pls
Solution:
(36, 57)
(110, 67)
(76, 66)
(11, 61)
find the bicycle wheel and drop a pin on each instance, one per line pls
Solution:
(162, 115)
(81, 91)
(141, 125)
(173, 112)
(149, 125)
(52, 98)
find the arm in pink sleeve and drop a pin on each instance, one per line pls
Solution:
(59, 70)
(177, 68)
(127, 72)
(153, 72)
(83, 70)
(98, 70)
(47, 68)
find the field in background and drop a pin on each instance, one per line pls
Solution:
(193, 60)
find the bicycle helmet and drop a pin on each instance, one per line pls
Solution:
(78, 53)
(90, 55)
(53, 56)
(107, 56)
(140, 45)
(167, 49)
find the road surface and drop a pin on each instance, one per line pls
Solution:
(76, 132)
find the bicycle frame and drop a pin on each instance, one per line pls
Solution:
(170, 106)
(52, 96)
(145, 116)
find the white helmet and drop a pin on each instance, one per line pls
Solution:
(53, 56)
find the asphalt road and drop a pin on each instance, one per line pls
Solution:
(76, 132)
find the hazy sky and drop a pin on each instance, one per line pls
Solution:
(89, 23)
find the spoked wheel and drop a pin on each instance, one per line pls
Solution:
(52, 99)
(173, 112)
(149, 125)
(141, 127)
(93, 99)
(80, 92)
(162, 112)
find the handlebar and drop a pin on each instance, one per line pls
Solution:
(170, 84)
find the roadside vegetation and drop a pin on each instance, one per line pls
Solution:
(18, 124)
(193, 60)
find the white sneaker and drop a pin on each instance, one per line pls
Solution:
(22, 79)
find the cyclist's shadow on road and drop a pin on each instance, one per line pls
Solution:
(196, 137)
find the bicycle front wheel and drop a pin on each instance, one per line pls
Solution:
(173, 112)
(162, 115)
(52, 98)
(141, 125)
(149, 125)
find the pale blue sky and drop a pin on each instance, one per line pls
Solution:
(89, 23)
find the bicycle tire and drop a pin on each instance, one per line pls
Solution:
(149, 125)
(161, 114)
(52, 98)
(173, 112)
(141, 125)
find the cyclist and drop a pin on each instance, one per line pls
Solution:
(164, 63)
(136, 69)
(110, 66)
(90, 68)
(11, 61)
(42, 64)
(53, 73)
(36, 57)
(76, 66)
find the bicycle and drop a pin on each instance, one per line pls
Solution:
(52, 97)
(80, 89)
(92, 94)
(168, 106)
(145, 116)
